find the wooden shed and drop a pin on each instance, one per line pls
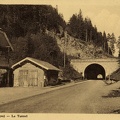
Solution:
(34, 72)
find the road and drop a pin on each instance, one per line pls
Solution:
(85, 97)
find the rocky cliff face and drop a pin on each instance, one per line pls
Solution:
(76, 48)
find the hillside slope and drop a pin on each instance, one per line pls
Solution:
(76, 48)
(115, 75)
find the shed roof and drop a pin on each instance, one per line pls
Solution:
(4, 41)
(40, 63)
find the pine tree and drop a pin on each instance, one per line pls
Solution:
(73, 25)
(105, 44)
(80, 25)
(111, 41)
(118, 45)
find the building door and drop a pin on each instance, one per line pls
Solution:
(28, 78)
(33, 78)
(23, 78)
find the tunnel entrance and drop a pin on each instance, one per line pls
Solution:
(94, 72)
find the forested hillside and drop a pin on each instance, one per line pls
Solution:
(25, 27)
(28, 28)
(83, 29)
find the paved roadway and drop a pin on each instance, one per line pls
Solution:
(81, 98)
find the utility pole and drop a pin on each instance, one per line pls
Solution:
(8, 61)
(64, 52)
(65, 46)
(90, 36)
(63, 42)
(86, 35)
(104, 46)
(108, 47)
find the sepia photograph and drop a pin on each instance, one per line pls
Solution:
(60, 58)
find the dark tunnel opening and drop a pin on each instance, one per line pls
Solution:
(94, 72)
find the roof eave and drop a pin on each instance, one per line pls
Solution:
(27, 58)
(7, 40)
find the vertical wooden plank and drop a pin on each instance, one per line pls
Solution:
(33, 78)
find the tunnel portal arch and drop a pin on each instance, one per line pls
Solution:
(94, 71)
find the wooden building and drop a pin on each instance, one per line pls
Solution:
(33, 72)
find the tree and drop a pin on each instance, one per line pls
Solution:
(118, 45)
(111, 41)
(80, 25)
(20, 46)
(73, 25)
(105, 44)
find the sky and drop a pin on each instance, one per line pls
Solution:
(105, 14)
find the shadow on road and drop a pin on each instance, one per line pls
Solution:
(116, 111)
(113, 93)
